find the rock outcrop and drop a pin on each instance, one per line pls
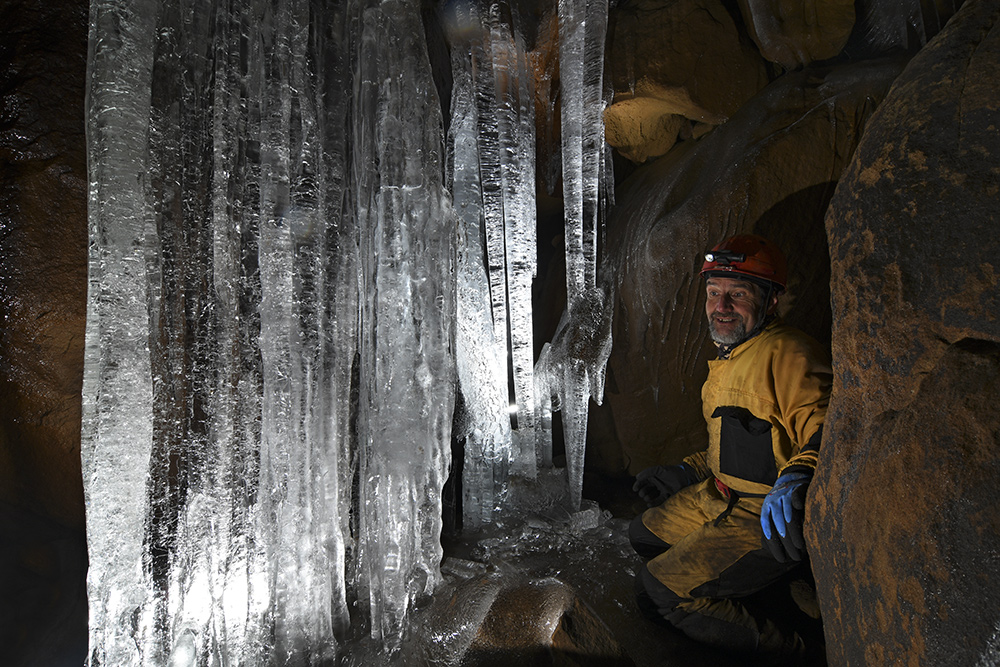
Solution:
(794, 33)
(903, 513)
(675, 64)
(771, 169)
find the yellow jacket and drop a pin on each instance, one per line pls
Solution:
(764, 406)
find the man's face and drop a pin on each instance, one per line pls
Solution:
(733, 308)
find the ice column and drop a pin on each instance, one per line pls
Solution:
(222, 316)
(307, 328)
(496, 64)
(572, 366)
(516, 125)
(407, 310)
(484, 422)
(117, 387)
(505, 116)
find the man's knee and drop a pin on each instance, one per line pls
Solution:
(720, 622)
(644, 541)
(653, 598)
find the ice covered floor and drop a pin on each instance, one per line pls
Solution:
(547, 587)
(541, 587)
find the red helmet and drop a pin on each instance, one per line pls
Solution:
(747, 255)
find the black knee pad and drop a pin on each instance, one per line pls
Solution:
(644, 541)
(654, 600)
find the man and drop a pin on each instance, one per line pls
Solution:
(764, 400)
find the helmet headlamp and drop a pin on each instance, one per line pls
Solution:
(725, 257)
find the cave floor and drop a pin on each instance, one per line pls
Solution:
(535, 589)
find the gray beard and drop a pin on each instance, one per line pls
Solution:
(738, 334)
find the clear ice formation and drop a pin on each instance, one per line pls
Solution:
(288, 297)
(505, 145)
(573, 379)
(408, 279)
(480, 351)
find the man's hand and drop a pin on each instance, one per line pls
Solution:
(782, 515)
(656, 484)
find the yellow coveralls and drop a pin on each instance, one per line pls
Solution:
(764, 406)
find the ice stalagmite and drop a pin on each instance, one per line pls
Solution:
(407, 314)
(484, 422)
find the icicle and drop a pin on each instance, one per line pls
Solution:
(582, 29)
(117, 435)
(491, 179)
(230, 462)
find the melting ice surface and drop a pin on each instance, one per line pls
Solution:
(287, 298)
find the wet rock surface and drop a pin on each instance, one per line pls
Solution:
(43, 255)
(548, 586)
(689, 53)
(903, 515)
(677, 69)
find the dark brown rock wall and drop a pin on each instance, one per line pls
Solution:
(677, 68)
(771, 169)
(43, 255)
(796, 33)
(903, 513)
(688, 52)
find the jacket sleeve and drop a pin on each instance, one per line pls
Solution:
(699, 462)
(803, 379)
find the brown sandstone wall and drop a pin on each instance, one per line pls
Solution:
(903, 516)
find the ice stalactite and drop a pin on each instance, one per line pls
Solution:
(516, 116)
(571, 367)
(302, 373)
(408, 306)
(118, 386)
(494, 71)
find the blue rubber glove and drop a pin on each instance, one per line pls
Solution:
(782, 515)
(656, 484)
